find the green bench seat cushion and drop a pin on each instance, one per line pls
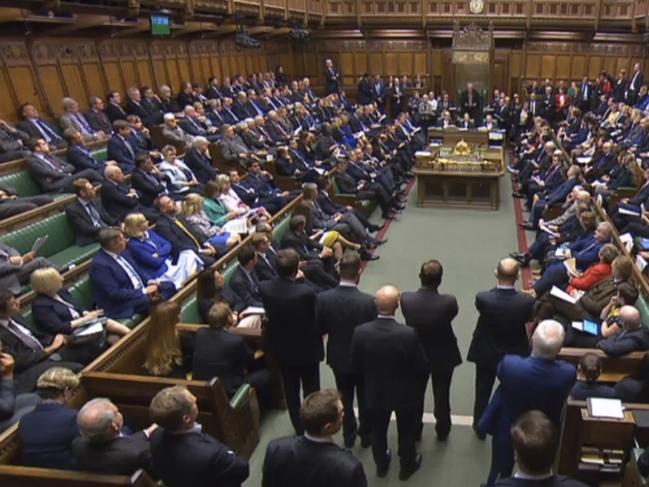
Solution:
(643, 307)
(22, 182)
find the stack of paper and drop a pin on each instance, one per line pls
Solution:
(605, 408)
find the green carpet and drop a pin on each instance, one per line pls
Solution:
(469, 244)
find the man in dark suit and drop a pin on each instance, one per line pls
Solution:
(87, 216)
(97, 117)
(198, 159)
(32, 357)
(266, 266)
(182, 455)
(37, 128)
(12, 405)
(79, 155)
(179, 234)
(314, 459)
(538, 382)
(500, 330)
(392, 362)
(244, 282)
(117, 286)
(365, 91)
(114, 109)
(636, 82)
(585, 95)
(291, 332)
(633, 337)
(119, 198)
(147, 179)
(120, 148)
(430, 314)
(536, 441)
(331, 78)
(470, 101)
(338, 312)
(51, 173)
(102, 448)
(11, 204)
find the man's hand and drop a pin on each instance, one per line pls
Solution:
(7, 364)
(151, 289)
(16, 260)
(326, 252)
(58, 342)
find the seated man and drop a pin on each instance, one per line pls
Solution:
(103, 448)
(37, 128)
(32, 356)
(173, 133)
(227, 356)
(634, 336)
(13, 406)
(233, 148)
(117, 286)
(13, 143)
(15, 269)
(96, 116)
(179, 234)
(11, 204)
(52, 174)
(87, 216)
(73, 119)
(79, 155)
(535, 440)
(148, 180)
(119, 198)
(245, 282)
(192, 125)
(120, 146)
(198, 159)
(182, 455)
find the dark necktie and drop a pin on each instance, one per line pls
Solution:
(49, 134)
(85, 128)
(95, 217)
(53, 163)
(128, 147)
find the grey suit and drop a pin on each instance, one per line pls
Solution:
(232, 147)
(175, 136)
(12, 277)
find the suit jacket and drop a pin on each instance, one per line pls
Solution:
(201, 165)
(24, 356)
(501, 326)
(227, 296)
(196, 459)
(34, 132)
(626, 342)
(172, 233)
(298, 462)
(112, 288)
(244, 289)
(338, 312)
(331, 81)
(392, 362)
(120, 456)
(266, 269)
(99, 121)
(301, 243)
(68, 121)
(218, 353)
(561, 192)
(9, 272)
(149, 186)
(431, 314)
(81, 158)
(115, 199)
(115, 112)
(143, 253)
(84, 231)
(118, 152)
(291, 331)
(46, 435)
(51, 315)
(48, 179)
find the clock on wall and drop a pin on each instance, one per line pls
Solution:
(476, 6)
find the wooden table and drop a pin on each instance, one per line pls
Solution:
(470, 189)
(452, 136)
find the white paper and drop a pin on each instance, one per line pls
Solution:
(640, 262)
(561, 294)
(38, 243)
(605, 408)
(97, 327)
(624, 211)
(240, 225)
(627, 240)
(252, 310)
(545, 228)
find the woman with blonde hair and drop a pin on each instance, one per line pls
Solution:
(180, 176)
(192, 210)
(154, 256)
(168, 352)
(56, 312)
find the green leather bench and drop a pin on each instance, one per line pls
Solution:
(24, 185)
(59, 248)
(643, 308)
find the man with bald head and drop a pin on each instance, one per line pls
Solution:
(633, 337)
(389, 357)
(500, 330)
(118, 197)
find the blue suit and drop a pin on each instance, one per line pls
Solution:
(526, 384)
(112, 288)
(119, 152)
(143, 252)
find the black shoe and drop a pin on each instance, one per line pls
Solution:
(367, 257)
(516, 255)
(371, 245)
(382, 470)
(375, 228)
(478, 433)
(378, 243)
(527, 226)
(406, 472)
(389, 216)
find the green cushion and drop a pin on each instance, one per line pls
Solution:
(643, 307)
(22, 182)
(189, 312)
(81, 291)
(281, 228)
(100, 154)
(59, 248)
(132, 322)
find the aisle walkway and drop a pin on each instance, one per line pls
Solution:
(469, 244)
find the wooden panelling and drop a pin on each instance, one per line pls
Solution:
(563, 66)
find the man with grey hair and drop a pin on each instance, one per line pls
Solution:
(633, 337)
(172, 132)
(103, 447)
(199, 160)
(73, 119)
(538, 382)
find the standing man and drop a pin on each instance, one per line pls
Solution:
(500, 330)
(637, 79)
(314, 459)
(393, 364)
(291, 332)
(331, 78)
(470, 101)
(430, 314)
(338, 312)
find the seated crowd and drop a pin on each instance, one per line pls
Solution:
(168, 213)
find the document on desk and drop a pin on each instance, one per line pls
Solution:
(562, 295)
(599, 407)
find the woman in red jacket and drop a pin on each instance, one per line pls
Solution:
(596, 272)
